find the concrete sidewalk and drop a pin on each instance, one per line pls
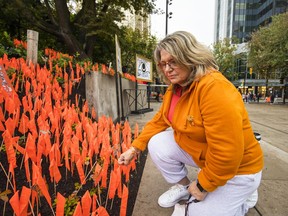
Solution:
(271, 121)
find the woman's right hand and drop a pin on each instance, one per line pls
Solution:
(127, 156)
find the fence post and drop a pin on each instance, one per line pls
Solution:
(32, 47)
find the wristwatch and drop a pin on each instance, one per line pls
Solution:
(200, 187)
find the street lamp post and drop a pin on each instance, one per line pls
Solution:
(168, 15)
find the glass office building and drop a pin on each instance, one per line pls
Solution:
(240, 18)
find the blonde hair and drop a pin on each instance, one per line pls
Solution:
(188, 53)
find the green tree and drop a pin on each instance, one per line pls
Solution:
(269, 48)
(224, 52)
(134, 42)
(86, 27)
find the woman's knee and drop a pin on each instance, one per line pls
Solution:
(161, 144)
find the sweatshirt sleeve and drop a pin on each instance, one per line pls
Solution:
(154, 126)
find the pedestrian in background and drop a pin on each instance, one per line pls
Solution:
(157, 89)
(202, 123)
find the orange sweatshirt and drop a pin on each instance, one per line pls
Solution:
(211, 123)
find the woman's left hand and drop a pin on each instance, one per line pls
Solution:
(195, 192)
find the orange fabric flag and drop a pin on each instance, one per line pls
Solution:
(2, 118)
(31, 148)
(2, 128)
(97, 174)
(124, 201)
(24, 199)
(27, 168)
(66, 157)
(23, 127)
(16, 87)
(8, 142)
(41, 183)
(25, 103)
(10, 125)
(101, 211)
(113, 185)
(32, 127)
(79, 131)
(104, 174)
(54, 171)
(80, 171)
(14, 202)
(94, 202)
(1, 94)
(75, 152)
(27, 87)
(84, 150)
(78, 210)
(47, 144)
(60, 204)
(37, 104)
(86, 202)
(40, 148)
(10, 105)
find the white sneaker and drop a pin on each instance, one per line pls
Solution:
(179, 210)
(252, 199)
(173, 195)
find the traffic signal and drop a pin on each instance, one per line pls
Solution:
(251, 70)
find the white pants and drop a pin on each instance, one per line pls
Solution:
(227, 200)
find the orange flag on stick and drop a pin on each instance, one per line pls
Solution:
(2, 128)
(2, 118)
(9, 105)
(47, 144)
(124, 200)
(80, 171)
(38, 180)
(31, 148)
(10, 125)
(60, 205)
(104, 174)
(40, 148)
(14, 202)
(8, 141)
(86, 202)
(75, 152)
(25, 103)
(79, 131)
(32, 127)
(54, 171)
(101, 211)
(94, 202)
(78, 210)
(23, 127)
(114, 182)
(24, 199)
(85, 107)
(97, 174)
(27, 87)
(27, 168)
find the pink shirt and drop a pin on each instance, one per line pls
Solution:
(176, 96)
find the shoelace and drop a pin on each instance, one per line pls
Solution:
(188, 203)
